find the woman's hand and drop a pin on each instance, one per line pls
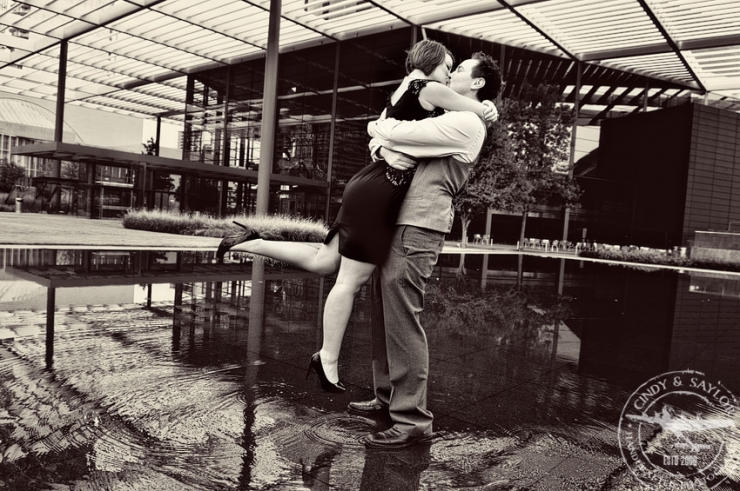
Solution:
(490, 114)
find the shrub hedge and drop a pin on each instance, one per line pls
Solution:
(275, 227)
(659, 258)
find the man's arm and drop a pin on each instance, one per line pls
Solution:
(459, 134)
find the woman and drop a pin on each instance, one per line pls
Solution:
(360, 237)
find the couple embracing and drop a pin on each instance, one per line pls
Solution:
(391, 227)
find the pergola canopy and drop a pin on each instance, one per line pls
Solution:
(133, 56)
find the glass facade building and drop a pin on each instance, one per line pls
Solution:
(326, 96)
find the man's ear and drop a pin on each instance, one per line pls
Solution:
(478, 83)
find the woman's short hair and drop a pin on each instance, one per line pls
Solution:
(426, 55)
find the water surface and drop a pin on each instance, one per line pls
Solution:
(165, 370)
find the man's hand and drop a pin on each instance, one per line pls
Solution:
(397, 160)
(371, 125)
(491, 113)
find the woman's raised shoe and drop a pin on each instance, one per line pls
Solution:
(328, 386)
(230, 241)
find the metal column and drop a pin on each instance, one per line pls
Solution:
(332, 130)
(571, 159)
(269, 110)
(56, 166)
(50, 308)
(225, 128)
(61, 88)
(223, 190)
(647, 93)
(158, 135)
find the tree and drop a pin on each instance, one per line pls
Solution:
(506, 312)
(488, 178)
(10, 173)
(522, 164)
(150, 147)
(487, 182)
(539, 130)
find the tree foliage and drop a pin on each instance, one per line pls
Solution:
(539, 134)
(524, 161)
(488, 179)
(150, 147)
(10, 173)
(503, 311)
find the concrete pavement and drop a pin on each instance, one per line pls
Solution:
(42, 230)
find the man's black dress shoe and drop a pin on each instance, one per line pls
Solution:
(368, 408)
(394, 438)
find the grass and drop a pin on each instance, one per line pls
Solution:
(274, 227)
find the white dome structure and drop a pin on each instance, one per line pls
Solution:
(26, 119)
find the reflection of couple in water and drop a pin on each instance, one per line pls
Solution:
(394, 215)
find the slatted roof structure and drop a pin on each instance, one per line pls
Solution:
(133, 56)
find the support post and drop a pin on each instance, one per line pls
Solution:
(484, 266)
(50, 307)
(61, 88)
(56, 166)
(223, 189)
(143, 170)
(502, 60)
(572, 157)
(159, 132)
(225, 128)
(645, 98)
(269, 109)
(332, 130)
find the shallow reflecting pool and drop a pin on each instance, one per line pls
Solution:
(144, 370)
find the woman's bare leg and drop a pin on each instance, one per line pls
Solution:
(352, 276)
(322, 260)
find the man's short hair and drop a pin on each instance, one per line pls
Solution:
(426, 55)
(490, 72)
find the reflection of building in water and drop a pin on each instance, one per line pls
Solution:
(723, 285)
(706, 329)
(629, 325)
(84, 277)
(637, 325)
(204, 300)
(622, 318)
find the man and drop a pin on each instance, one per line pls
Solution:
(451, 143)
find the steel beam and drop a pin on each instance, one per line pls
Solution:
(269, 110)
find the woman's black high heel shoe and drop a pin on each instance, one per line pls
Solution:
(232, 240)
(315, 364)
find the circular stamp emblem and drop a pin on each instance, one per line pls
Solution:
(674, 431)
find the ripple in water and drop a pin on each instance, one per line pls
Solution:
(337, 429)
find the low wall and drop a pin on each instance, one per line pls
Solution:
(716, 246)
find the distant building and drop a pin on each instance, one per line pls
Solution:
(63, 185)
(23, 123)
(662, 176)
